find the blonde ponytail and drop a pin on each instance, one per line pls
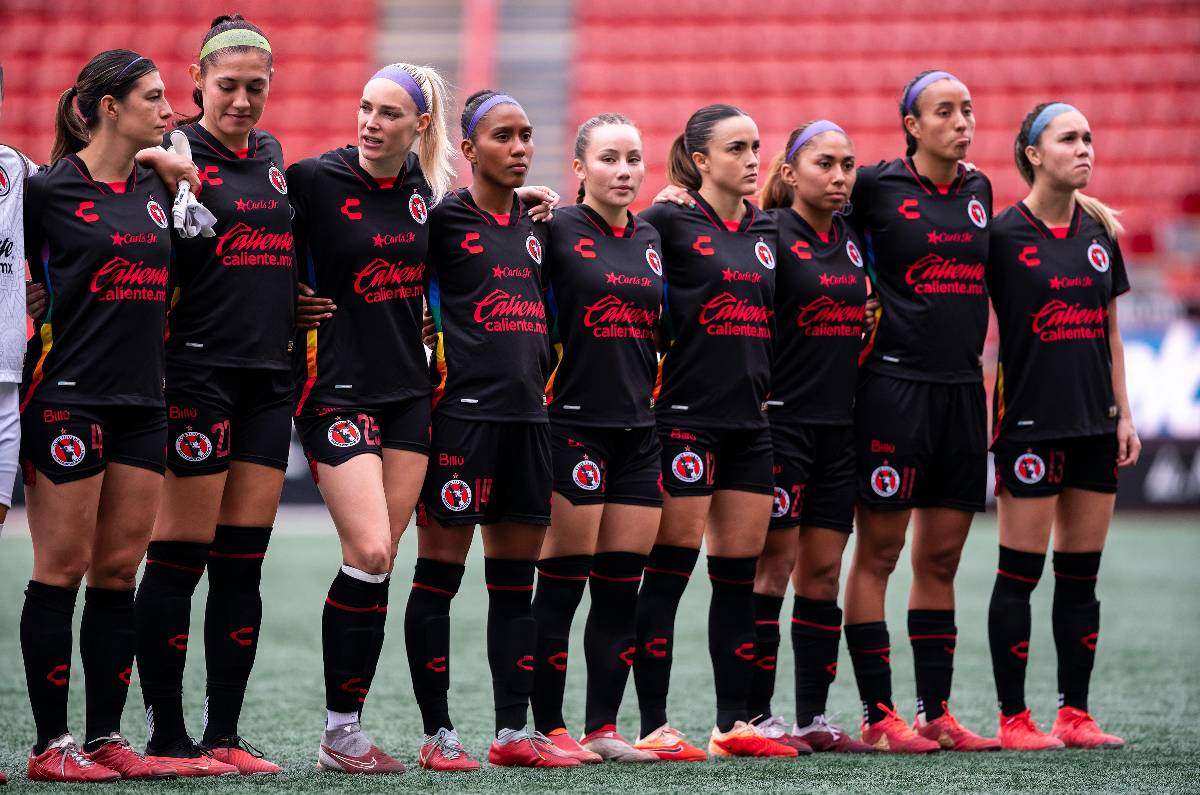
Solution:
(1106, 215)
(433, 146)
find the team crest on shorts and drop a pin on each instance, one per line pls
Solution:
(688, 467)
(586, 475)
(1098, 257)
(977, 213)
(417, 208)
(67, 450)
(277, 180)
(885, 481)
(654, 261)
(456, 495)
(343, 433)
(5, 184)
(781, 503)
(1029, 468)
(853, 253)
(157, 214)
(193, 446)
(765, 255)
(534, 247)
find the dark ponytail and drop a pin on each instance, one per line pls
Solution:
(220, 25)
(681, 169)
(111, 73)
(776, 192)
(910, 143)
(583, 138)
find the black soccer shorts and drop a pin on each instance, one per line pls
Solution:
(1045, 468)
(696, 462)
(814, 476)
(66, 443)
(599, 465)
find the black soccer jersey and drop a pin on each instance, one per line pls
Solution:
(484, 282)
(604, 298)
(927, 251)
(104, 257)
(820, 289)
(363, 246)
(718, 311)
(235, 294)
(1052, 297)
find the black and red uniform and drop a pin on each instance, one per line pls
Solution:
(92, 387)
(921, 411)
(362, 375)
(820, 290)
(232, 319)
(490, 443)
(604, 297)
(718, 315)
(1054, 412)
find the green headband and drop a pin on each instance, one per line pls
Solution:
(234, 37)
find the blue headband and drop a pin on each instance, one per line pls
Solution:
(400, 76)
(485, 106)
(923, 84)
(1048, 114)
(810, 132)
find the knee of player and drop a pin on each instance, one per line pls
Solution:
(113, 575)
(939, 564)
(771, 576)
(374, 558)
(819, 582)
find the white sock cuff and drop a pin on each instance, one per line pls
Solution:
(363, 576)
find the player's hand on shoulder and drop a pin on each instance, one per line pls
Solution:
(675, 195)
(540, 200)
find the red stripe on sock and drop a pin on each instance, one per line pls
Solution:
(884, 650)
(567, 577)
(442, 591)
(826, 627)
(933, 637)
(492, 587)
(606, 578)
(349, 609)
(1017, 577)
(174, 566)
(687, 575)
(766, 621)
(1075, 577)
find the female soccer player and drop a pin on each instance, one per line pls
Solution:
(229, 398)
(1062, 420)
(820, 290)
(920, 412)
(363, 418)
(719, 261)
(490, 442)
(93, 420)
(605, 274)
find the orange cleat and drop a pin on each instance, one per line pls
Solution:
(669, 746)
(444, 753)
(1078, 729)
(242, 755)
(951, 735)
(520, 748)
(1019, 733)
(117, 754)
(744, 739)
(189, 760)
(62, 761)
(893, 735)
(564, 742)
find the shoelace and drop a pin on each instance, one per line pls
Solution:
(770, 728)
(537, 738)
(448, 744)
(897, 723)
(951, 721)
(236, 741)
(1080, 718)
(71, 751)
(823, 724)
(1023, 720)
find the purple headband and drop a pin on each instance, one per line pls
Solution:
(400, 76)
(923, 84)
(810, 132)
(487, 105)
(126, 69)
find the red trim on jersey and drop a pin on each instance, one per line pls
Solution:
(618, 231)
(502, 220)
(352, 170)
(824, 236)
(916, 176)
(117, 187)
(1027, 217)
(1060, 232)
(242, 154)
(815, 625)
(310, 358)
(732, 226)
(386, 182)
(71, 159)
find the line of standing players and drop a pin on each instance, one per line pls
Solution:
(696, 373)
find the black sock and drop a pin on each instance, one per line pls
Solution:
(427, 638)
(232, 619)
(1076, 618)
(377, 637)
(766, 650)
(106, 643)
(348, 625)
(1009, 624)
(933, 637)
(731, 636)
(816, 633)
(663, 581)
(560, 585)
(162, 611)
(871, 654)
(511, 638)
(46, 649)
(610, 635)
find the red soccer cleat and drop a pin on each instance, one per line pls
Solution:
(444, 753)
(1078, 729)
(1019, 733)
(951, 735)
(744, 739)
(668, 745)
(564, 742)
(117, 754)
(189, 760)
(825, 738)
(775, 728)
(242, 755)
(62, 761)
(519, 748)
(893, 735)
(610, 746)
(347, 749)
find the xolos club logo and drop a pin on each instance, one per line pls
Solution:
(276, 178)
(1029, 468)
(885, 481)
(456, 495)
(1098, 257)
(534, 247)
(343, 433)
(586, 475)
(765, 256)
(5, 183)
(157, 214)
(853, 253)
(654, 261)
(417, 208)
(67, 450)
(977, 213)
(781, 503)
(687, 466)
(193, 446)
